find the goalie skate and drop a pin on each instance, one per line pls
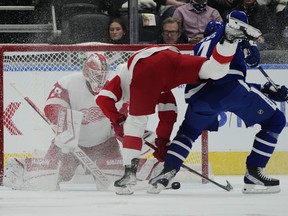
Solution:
(256, 182)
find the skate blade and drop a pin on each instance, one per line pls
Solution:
(155, 189)
(260, 189)
(250, 30)
(125, 190)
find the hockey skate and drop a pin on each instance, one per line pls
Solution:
(160, 182)
(256, 182)
(251, 32)
(238, 29)
(125, 185)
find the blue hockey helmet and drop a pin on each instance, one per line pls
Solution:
(240, 15)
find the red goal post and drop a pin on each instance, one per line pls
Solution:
(34, 69)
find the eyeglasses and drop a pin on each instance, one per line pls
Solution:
(171, 33)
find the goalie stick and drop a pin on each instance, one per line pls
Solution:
(77, 151)
(268, 78)
(227, 187)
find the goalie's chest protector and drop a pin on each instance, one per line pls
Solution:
(96, 127)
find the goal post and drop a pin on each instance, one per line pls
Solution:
(34, 69)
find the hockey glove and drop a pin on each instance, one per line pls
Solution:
(118, 125)
(251, 53)
(162, 147)
(280, 94)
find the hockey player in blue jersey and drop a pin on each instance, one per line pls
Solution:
(230, 93)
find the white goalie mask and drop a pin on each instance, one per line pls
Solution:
(95, 71)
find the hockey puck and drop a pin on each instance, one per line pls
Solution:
(175, 185)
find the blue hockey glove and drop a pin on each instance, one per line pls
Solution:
(280, 94)
(251, 53)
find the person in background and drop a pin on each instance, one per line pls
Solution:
(280, 8)
(223, 6)
(166, 8)
(117, 32)
(171, 32)
(194, 17)
(252, 102)
(261, 17)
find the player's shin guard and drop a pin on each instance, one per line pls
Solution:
(264, 144)
(266, 139)
(178, 151)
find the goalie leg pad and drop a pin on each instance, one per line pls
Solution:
(13, 173)
(31, 174)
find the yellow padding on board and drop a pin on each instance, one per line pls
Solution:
(234, 163)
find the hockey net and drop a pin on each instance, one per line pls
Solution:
(34, 69)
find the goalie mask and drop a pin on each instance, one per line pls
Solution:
(95, 71)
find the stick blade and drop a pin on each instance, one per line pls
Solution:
(229, 187)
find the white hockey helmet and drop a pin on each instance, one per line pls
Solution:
(95, 71)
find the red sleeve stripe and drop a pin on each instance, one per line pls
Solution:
(220, 58)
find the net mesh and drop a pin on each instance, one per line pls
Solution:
(36, 72)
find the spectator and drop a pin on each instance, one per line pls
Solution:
(172, 32)
(144, 6)
(281, 10)
(117, 32)
(261, 17)
(166, 8)
(195, 16)
(223, 6)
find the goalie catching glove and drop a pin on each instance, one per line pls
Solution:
(280, 94)
(162, 145)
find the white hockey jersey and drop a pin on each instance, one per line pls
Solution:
(71, 92)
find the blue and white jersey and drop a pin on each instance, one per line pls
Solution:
(238, 66)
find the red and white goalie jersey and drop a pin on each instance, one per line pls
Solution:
(72, 92)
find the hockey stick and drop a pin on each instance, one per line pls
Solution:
(227, 187)
(268, 78)
(77, 151)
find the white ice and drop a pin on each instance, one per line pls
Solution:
(192, 199)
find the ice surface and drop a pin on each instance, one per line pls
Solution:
(192, 199)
